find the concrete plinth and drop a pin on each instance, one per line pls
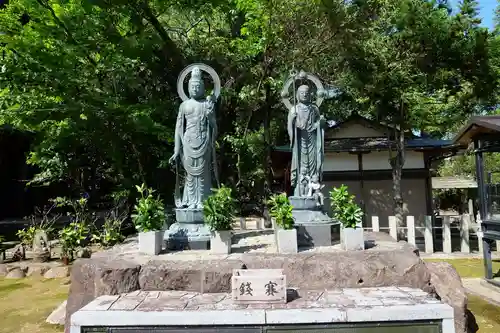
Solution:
(188, 232)
(377, 310)
(314, 226)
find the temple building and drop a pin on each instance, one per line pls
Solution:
(357, 155)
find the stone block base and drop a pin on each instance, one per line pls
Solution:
(112, 273)
(286, 241)
(314, 226)
(315, 234)
(189, 232)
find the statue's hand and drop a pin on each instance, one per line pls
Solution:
(174, 158)
(322, 120)
(211, 98)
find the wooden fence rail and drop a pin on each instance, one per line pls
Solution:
(425, 227)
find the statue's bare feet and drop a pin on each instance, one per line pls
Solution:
(192, 206)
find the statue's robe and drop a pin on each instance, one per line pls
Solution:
(307, 143)
(196, 130)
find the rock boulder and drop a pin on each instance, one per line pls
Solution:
(448, 287)
(91, 278)
(57, 316)
(15, 273)
(57, 272)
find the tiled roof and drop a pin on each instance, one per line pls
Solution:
(380, 143)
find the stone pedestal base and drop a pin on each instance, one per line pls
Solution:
(188, 232)
(314, 226)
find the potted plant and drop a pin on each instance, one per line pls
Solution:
(218, 215)
(280, 210)
(71, 238)
(148, 218)
(349, 214)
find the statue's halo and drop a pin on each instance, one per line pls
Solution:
(206, 69)
(320, 96)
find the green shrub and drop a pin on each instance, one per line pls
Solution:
(41, 220)
(149, 212)
(344, 208)
(110, 234)
(281, 210)
(218, 210)
(72, 237)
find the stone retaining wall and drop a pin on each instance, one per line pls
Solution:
(400, 267)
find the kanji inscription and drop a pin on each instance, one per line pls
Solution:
(258, 286)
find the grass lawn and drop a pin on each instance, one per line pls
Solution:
(470, 268)
(487, 315)
(26, 303)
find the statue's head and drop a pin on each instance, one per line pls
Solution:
(303, 94)
(315, 178)
(196, 86)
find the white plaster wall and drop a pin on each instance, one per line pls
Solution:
(379, 160)
(340, 162)
(372, 161)
(379, 198)
(353, 131)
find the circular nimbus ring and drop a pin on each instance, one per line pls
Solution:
(320, 90)
(203, 67)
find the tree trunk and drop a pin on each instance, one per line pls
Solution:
(268, 164)
(397, 161)
(268, 101)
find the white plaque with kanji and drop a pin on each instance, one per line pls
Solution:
(258, 286)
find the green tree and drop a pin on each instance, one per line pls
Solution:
(413, 65)
(83, 78)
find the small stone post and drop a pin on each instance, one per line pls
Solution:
(428, 235)
(375, 224)
(410, 227)
(464, 233)
(393, 227)
(446, 234)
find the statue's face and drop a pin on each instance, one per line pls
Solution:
(315, 178)
(196, 89)
(303, 94)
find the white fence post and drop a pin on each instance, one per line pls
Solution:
(464, 233)
(243, 223)
(410, 226)
(446, 234)
(393, 227)
(375, 224)
(428, 235)
(479, 233)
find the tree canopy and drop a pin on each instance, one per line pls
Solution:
(95, 81)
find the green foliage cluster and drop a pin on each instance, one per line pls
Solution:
(77, 234)
(41, 220)
(73, 237)
(26, 236)
(219, 209)
(281, 210)
(344, 208)
(149, 211)
(110, 233)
